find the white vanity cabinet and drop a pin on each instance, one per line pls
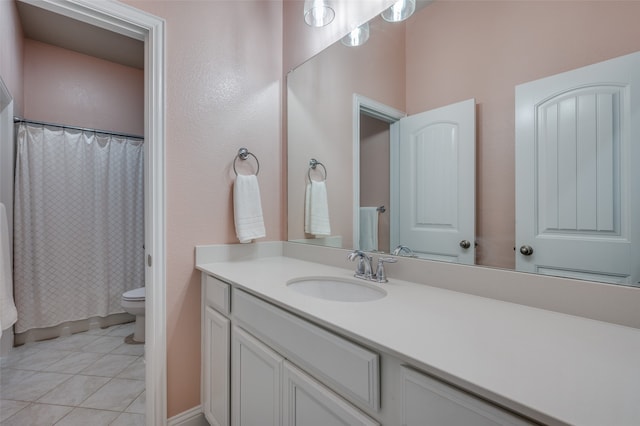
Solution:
(426, 401)
(216, 350)
(264, 366)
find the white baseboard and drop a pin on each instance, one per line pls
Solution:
(191, 417)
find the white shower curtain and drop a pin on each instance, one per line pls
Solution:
(78, 224)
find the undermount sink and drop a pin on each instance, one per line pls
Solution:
(337, 289)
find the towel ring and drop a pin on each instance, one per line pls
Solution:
(313, 163)
(243, 154)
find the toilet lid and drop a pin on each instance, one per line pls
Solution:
(135, 294)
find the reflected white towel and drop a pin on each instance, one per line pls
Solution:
(316, 209)
(8, 312)
(368, 228)
(247, 210)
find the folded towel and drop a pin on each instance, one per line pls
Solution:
(8, 312)
(368, 228)
(247, 210)
(316, 209)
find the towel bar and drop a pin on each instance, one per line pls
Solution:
(313, 163)
(243, 154)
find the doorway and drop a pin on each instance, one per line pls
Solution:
(368, 110)
(133, 23)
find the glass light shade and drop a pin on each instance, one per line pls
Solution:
(399, 11)
(318, 13)
(357, 37)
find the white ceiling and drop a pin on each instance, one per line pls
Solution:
(48, 27)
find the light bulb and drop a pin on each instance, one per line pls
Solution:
(357, 37)
(399, 11)
(318, 13)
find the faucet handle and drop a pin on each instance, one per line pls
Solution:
(361, 268)
(403, 249)
(381, 277)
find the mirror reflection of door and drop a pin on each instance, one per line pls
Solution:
(374, 184)
(577, 178)
(436, 183)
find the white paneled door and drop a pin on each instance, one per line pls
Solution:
(436, 183)
(577, 174)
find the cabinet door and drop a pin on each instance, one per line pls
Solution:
(429, 402)
(306, 402)
(215, 367)
(255, 382)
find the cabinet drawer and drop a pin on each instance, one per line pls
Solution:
(216, 294)
(346, 367)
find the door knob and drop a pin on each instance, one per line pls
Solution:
(526, 250)
(465, 244)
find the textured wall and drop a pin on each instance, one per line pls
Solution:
(224, 70)
(11, 52)
(65, 87)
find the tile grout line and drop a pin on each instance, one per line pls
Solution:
(46, 368)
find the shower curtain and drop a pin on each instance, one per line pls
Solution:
(78, 224)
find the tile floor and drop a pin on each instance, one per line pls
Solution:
(91, 378)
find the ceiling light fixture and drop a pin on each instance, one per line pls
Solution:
(399, 11)
(318, 13)
(357, 37)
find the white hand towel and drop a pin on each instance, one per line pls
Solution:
(8, 312)
(247, 210)
(316, 209)
(368, 228)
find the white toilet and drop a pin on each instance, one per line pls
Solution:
(133, 303)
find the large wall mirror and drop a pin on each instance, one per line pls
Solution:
(345, 106)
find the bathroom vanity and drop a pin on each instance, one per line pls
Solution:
(417, 355)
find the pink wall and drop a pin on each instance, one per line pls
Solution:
(465, 49)
(224, 71)
(65, 87)
(11, 61)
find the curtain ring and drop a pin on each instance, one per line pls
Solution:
(243, 154)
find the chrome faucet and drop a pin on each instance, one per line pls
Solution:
(364, 269)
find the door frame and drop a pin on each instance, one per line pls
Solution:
(390, 115)
(129, 21)
(8, 153)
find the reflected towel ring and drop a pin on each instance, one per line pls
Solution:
(313, 163)
(243, 154)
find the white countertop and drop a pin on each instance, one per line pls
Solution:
(555, 368)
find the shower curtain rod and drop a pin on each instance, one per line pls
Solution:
(83, 129)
